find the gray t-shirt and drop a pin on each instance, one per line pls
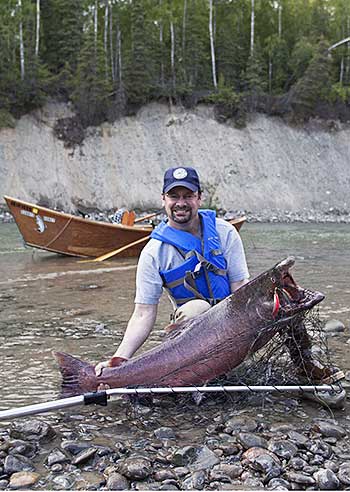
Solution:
(157, 256)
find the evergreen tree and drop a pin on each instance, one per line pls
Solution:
(62, 32)
(137, 71)
(315, 85)
(91, 90)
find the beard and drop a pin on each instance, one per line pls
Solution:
(181, 215)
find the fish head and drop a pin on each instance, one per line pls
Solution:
(281, 296)
(275, 295)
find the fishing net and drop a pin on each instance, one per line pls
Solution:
(297, 355)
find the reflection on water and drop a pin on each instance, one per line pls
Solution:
(50, 302)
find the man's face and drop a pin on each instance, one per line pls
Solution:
(181, 204)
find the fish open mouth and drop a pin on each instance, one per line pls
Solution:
(289, 296)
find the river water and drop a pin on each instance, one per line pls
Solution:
(50, 302)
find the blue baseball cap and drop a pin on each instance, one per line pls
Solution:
(181, 176)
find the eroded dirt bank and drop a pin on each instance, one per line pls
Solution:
(268, 167)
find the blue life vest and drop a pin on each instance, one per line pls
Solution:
(203, 274)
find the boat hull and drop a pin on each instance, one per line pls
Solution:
(70, 235)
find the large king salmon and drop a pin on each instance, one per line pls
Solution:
(209, 345)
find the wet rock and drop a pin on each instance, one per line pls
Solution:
(84, 456)
(228, 449)
(240, 424)
(331, 466)
(344, 474)
(283, 449)
(299, 478)
(253, 483)
(116, 481)
(75, 447)
(166, 474)
(278, 484)
(181, 471)
(169, 485)
(164, 433)
(3, 484)
(298, 438)
(195, 482)
(249, 440)
(317, 460)
(65, 481)
(219, 476)
(334, 326)
(56, 456)
(319, 447)
(232, 471)
(56, 468)
(17, 463)
(18, 446)
(251, 454)
(328, 429)
(266, 464)
(184, 456)
(200, 458)
(205, 459)
(33, 430)
(326, 480)
(135, 468)
(23, 479)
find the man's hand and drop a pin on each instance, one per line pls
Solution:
(113, 362)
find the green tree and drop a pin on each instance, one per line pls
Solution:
(315, 85)
(91, 90)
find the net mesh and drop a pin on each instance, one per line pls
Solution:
(296, 355)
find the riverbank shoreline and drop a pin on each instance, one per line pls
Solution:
(332, 216)
(252, 447)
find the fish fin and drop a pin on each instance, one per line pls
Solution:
(71, 369)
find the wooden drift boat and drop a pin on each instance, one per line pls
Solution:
(68, 234)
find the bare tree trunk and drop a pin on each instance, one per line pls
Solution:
(172, 54)
(119, 51)
(212, 49)
(111, 44)
(184, 18)
(161, 49)
(252, 18)
(95, 25)
(347, 68)
(161, 54)
(341, 72)
(279, 20)
(105, 37)
(21, 43)
(37, 35)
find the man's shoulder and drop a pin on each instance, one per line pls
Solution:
(223, 226)
(152, 248)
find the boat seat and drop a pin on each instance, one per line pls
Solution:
(128, 218)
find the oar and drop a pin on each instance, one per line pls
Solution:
(101, 397)
(116, 251)
(149, 216)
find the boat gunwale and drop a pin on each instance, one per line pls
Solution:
(81, 219)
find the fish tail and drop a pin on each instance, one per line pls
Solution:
(72, 370)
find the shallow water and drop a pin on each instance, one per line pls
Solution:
(50, 302)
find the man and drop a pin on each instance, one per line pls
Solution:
(197, 258)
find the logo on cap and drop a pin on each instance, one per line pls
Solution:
(180, 173)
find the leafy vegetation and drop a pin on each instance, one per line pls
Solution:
(109, 57)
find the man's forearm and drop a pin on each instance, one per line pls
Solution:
(139, 327)
(236, 285)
